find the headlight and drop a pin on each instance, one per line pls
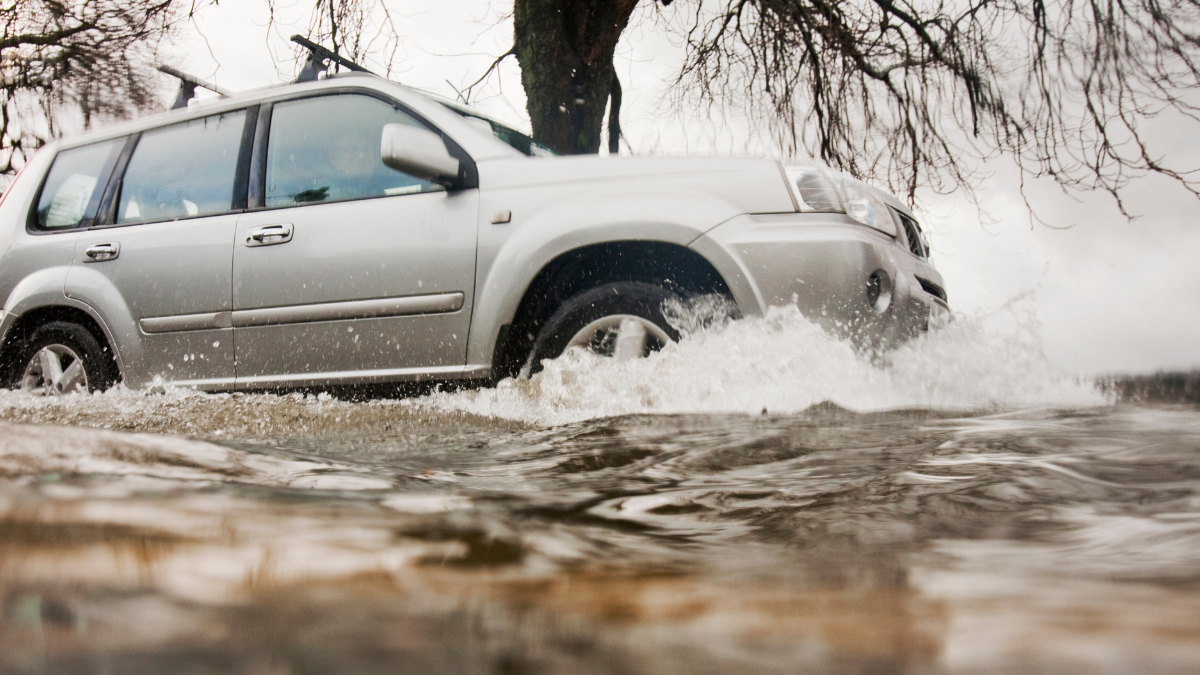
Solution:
(866, 209)
(819, 191)
(814, 191)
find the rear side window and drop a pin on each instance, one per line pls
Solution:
(73, 187)
(327, 149)
(182, 171)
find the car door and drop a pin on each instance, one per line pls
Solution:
(66, 204)
(163, 255)
(350, 271)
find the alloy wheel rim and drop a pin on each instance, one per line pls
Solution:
(54, 370)
(621, 336)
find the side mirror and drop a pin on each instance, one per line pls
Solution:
(419, 153)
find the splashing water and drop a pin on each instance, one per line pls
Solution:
(781, 363)
(784, 363)
(952, 530)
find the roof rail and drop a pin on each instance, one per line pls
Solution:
(317, 57)
(187, 86)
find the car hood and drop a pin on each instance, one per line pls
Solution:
(752, 185)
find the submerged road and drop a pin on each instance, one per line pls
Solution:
(294, 534)
(717, 507)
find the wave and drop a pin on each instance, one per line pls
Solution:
(782, 363)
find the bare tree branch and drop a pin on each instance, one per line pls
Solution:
(350, 29)
(84, 59)
(914, 94)
(465, 94)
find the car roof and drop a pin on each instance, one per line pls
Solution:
(477, 144)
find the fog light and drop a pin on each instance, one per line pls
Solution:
(879, 291)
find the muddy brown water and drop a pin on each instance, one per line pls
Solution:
(276, 535)
(716, 507)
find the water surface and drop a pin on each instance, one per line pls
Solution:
(954, 507)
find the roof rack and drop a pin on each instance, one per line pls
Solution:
(317, 58)
(187, 86)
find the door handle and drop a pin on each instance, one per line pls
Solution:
(270, 235)
(102, 252)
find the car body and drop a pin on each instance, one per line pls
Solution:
(261, 284)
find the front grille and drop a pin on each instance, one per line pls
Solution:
(934, 290)
(916, 238)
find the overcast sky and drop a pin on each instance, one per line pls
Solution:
(1110, 295)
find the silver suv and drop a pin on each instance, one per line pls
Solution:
(350, 230)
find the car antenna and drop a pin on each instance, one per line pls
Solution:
(187, 86)
(317, 57)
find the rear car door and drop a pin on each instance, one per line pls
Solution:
(349, 271)
(66, 204)
(163, 253)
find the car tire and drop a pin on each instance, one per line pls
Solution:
(623, 319)
(61, 357)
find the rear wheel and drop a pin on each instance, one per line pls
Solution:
(622, 320)
(59, 358)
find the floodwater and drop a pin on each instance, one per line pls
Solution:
(758, 498)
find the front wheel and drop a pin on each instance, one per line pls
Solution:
(622, 320)
(61, 357)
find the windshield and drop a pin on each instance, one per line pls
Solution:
(511, 137)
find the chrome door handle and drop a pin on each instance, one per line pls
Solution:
(102, 252)
(270, 235)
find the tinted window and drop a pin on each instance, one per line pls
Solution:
(510, 137)
(73, 187)
(327, 149)
(183, 170)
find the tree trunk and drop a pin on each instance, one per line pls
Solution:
(566, 52)
(614, 117)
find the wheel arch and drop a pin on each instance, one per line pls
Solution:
(592, 265)
(21, 326)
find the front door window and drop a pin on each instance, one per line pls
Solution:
(326, 149)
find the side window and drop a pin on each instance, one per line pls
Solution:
(326, 149)
(183, 170)
(73, 187)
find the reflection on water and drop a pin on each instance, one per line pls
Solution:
(409, 541)
(716, 508)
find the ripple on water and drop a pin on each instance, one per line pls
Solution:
(463, 533)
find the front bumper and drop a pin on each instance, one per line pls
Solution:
(823, 263)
